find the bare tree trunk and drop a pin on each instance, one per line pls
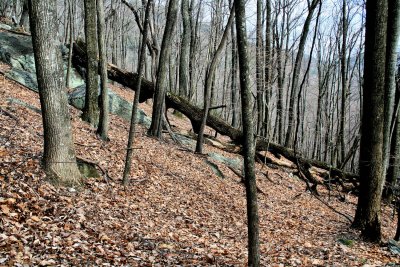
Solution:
(24, 21)
(91, 109)
(71, 42)
(343, 71)
(234, 70)
(259, 69)
(390, 79)
(248, 138)
(132, 129)
(368, 214)
(267, 74)
(159, 95)
(185, 49)
(194, 24)
(59, 160)
(296, 73)
(104, 105)
(209, 81)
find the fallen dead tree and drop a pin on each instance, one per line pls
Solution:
(194, 114)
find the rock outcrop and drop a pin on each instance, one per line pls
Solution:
(16, 51)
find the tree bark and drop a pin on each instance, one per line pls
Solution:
(267, 74)
(91, 109)
(185, 48)
(132, 129)
(259, 69)
(343, 72)
(390, 78)
(104, 105)
(24, 21)
(161, 83)
(368, 214)
(248, 138)
(59, 160)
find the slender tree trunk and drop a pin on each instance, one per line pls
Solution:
(159, 95)
(259, 69)
(234, 70)
(59, 160)
(343, 72)
(267, 74)
(132, 129)
(248, 138)
(368, 214)
(71, 42)
(91, 109)
(24, 21)
(104, 105)
(209, 81)
(296, 73)
(185, 49)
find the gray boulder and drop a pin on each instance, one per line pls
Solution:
(16, 51)
(5, 27)
(233, 163)
(117, 104)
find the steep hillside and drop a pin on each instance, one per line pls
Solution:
(176, 211)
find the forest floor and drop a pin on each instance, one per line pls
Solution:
(175, 211)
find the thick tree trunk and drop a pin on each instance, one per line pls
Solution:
(161, 84)
(91, 109)
(368, 214)
(248, 138)
(390, 79)
(59, 160)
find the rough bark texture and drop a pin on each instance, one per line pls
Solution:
(91, 109)
(393, 172)
(368, 214)
(248, 138)
(104, 118)
(59, 160)
(162, 71)
(390, 80)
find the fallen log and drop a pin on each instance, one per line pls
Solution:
(195, 114)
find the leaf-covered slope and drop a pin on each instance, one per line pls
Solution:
(175, 212)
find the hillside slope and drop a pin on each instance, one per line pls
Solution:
(176, 211)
